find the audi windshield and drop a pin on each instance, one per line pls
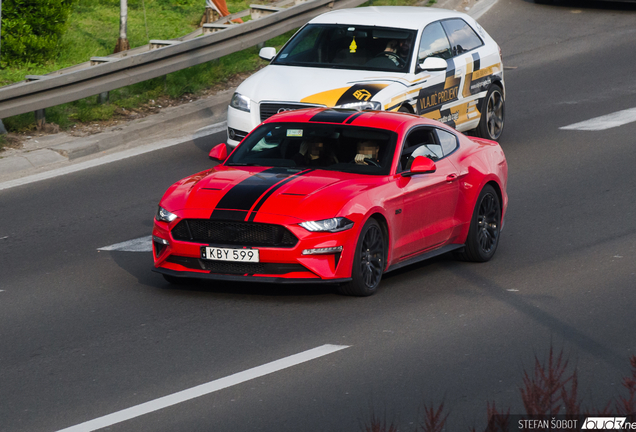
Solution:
(349, 47)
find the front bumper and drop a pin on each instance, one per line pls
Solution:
(241, 121)
(277, 264)
(239, 278)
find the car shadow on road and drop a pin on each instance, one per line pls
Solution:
(139, 265)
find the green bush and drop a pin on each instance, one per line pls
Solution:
(31, 29)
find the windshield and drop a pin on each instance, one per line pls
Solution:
(349, 47)
(319, 146)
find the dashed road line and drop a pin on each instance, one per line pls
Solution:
(141, 244)
(204, 389)
(608, 121)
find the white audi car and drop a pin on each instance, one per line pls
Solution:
(435, 63)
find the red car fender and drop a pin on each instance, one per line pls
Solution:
(486, 167)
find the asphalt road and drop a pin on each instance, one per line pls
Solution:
(86, 333)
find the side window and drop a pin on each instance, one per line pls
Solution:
(448, 141)
(434, 43)
(462, 36)
(420, 142)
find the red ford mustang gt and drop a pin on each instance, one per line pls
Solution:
(337, 196)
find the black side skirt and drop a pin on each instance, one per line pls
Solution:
(425, 256)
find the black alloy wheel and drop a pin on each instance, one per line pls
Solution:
(485, 227)
(368, 262)
(493, 114)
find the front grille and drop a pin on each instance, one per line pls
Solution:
(236, 268)
(269, 109)
(249, 234)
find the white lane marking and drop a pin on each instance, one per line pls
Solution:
(608, 121)
(136, 151)
(142, 244)
(204, 389)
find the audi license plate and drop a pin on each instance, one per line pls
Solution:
(228, 254)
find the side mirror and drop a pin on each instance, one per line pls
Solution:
(219, 152)
(434, 64)
(421, 165)
(267, 53)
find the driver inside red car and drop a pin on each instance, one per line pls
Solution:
(367, 149)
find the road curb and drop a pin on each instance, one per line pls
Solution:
(210, 110)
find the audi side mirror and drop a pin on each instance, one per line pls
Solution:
(267, 53)
(433, 64)
(421, 165)
(219, 152)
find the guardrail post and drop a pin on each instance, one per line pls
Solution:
(3, 130)
(103, 98)
(40, 118)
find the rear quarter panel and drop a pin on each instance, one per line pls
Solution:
(479, 162)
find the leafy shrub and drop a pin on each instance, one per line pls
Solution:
(31, 29)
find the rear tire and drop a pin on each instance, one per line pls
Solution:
(492, 119)
(485, 228)
(368, 262)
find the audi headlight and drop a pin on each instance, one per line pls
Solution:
(328, 225)
(164, 215)
(240, 102)
(362, 106)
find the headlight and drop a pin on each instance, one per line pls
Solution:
(361, 106)
(240, 102)
(164, 215)
(328, 225)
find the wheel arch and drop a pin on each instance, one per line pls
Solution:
(406, 107)
(384, 225)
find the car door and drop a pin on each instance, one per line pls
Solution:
(438, 86)
(429, 200)
(465, 46)
(449, 100)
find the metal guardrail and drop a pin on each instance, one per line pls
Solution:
(158, 58)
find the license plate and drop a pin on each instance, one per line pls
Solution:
(228, 254)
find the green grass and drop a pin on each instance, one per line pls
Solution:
(93, 31)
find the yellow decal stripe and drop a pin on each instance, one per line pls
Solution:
(487, 71)
(328, 98)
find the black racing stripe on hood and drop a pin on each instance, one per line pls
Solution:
(331, 116)
(229, 215)
(269, 193)
(244, 195)
(353, 117)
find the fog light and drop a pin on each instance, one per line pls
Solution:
(160, 244)
(322, 251)
(160, 240)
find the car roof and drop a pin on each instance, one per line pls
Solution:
(376, 119)
(409, 17)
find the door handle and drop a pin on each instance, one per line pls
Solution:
(451, 177)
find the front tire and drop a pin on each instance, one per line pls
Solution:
(492, 119)
(485, 228)
(368, 262)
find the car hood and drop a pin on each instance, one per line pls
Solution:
(244, 193)
(319, 86)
